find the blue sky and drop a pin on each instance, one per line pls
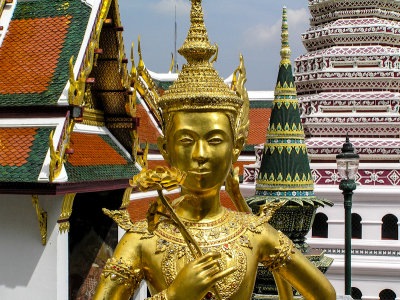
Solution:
(251, 27)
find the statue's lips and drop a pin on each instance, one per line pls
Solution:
(199, 172)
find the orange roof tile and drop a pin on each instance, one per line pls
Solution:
(138, 208)
(147, 131)
(30, 53)
(92, 150)
(259, 120)
(15, 145)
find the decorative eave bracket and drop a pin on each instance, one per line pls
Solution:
(66, 211)
(42, 218)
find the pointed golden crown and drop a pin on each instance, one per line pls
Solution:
(199, 86)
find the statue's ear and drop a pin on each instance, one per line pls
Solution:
(237, 148)
(162, 146)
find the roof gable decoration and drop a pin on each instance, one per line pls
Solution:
(87, 58)
(53, 169)
(57, 155)
(6, 11)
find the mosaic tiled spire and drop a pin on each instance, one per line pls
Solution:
(285, 169)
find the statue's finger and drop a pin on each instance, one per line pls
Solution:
(223, 274)
(210, 272)
(209, 264)
(208, 256)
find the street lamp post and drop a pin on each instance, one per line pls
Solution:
(347, 164)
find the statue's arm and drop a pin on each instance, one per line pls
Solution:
(123, 272)
(291, 265)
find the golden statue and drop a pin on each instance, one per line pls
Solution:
(205, 125)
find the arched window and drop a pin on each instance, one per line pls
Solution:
(320, 226)
(356, 293)
(356, 229)
(387, 295)
(390, 229)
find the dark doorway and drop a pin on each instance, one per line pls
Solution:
(92, 239)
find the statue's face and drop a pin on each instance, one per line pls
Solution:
(200, 144)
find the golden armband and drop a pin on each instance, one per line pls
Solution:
(123, 273)
(160, 296)
(282, 254)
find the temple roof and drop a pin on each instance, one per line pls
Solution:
(49, 143)
(34, 56)
(92, 156)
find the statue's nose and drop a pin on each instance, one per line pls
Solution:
(200, 152)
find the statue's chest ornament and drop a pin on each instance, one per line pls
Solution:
(228, 235)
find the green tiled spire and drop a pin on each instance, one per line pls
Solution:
(285, 170)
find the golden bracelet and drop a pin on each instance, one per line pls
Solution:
(283, 252)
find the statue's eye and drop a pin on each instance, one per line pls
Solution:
(186, 140)
(215, 140)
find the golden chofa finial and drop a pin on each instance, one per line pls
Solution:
(197, 47)
(285, 50)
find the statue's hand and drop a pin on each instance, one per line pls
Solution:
(233, 190)
(197, 278)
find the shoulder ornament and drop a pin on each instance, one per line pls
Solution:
(123, 220)
(268, 210)
(282, 254)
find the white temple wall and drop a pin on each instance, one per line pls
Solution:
(29, 270)
(372, 203)
(370, 275)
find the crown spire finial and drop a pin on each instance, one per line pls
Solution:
(197, 46)
(285, 49)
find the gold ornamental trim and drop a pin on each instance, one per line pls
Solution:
(285, 102)
(279, 130)
(77, 93)
(57, 154)
(94, 117)
(288, 183)
(42, 218)
(66, 211)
